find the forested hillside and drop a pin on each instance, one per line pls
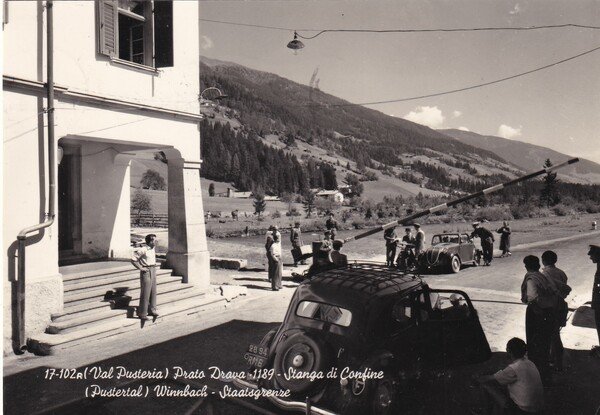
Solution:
(249, 164)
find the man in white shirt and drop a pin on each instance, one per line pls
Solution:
(549, 259)
(524, 392)
(144, 259)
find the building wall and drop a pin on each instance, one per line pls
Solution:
(80, 67)
(97, 127)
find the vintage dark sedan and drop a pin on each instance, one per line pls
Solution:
(358, 338)
(449, 252)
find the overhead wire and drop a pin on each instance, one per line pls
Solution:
(452, 91)
(472, 29)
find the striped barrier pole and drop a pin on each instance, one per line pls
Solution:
(444, 206)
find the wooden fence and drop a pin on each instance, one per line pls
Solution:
(150, 220)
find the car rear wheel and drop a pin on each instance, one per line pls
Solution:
(455, 264)
(300, 354)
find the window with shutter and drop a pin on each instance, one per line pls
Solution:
(136, 31)
(107, 14)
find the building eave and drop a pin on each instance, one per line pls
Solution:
(67, 94)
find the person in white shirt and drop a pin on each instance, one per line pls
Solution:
(524, 393)
(144, 259)
(275, 255)
(549, 259)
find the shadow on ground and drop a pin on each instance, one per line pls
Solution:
(576, 391)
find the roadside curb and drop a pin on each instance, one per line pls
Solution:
(530, 245)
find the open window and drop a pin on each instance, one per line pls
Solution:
(450, 333)
(139, 32)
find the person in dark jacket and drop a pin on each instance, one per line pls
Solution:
(331, 225)
(504, 232)
(487, 242)
(391, 242)
(540, 294)
(594, 254)
(295, 239)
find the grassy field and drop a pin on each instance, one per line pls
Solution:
(523, 231)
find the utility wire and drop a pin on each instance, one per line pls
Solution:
(475, 29)
(452, 91)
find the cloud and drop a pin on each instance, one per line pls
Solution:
(515, 10)
(429, 116)
(463, 129)
(206, 43)
(506, 131)
(456, 113)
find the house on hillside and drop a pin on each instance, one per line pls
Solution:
(87, 86)
(334, 195)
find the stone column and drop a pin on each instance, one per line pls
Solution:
(188, 252)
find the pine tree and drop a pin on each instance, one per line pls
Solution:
(308, 202)
(549, 194)
(259, 202)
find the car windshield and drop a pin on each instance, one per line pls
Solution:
(438, 239)
(324, 312)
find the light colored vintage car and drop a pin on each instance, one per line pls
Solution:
(449, 252)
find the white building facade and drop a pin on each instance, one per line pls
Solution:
(126, 76)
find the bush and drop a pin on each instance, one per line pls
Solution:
(358, 223)
(292, 212)
(562, 210)
(493, 213)
(592, 207)
(276, 214)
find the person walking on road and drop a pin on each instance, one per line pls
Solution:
(504, 232)
(557, 275)
(487, 242)
(144, 259)
(391, 242)
(594, 254)
(277, 262)
(540, 294)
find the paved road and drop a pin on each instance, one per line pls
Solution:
(221, 339)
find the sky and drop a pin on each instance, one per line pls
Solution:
(557, 108)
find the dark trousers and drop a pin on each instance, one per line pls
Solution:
(597, 315)
(496, 401)
(539, 328)
(556, 348)
(487, 246)
(148, 292)
(390, 254)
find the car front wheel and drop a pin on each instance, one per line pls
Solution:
(385, 396)
(455, 264)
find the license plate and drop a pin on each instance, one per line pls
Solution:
(256, 355)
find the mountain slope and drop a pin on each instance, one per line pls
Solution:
(529, 156)
(313, 125)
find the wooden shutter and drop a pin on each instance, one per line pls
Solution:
(163, 33)
(108, 31)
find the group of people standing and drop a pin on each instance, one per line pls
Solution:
(412, 246)
(519, 388)
(544, 291)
